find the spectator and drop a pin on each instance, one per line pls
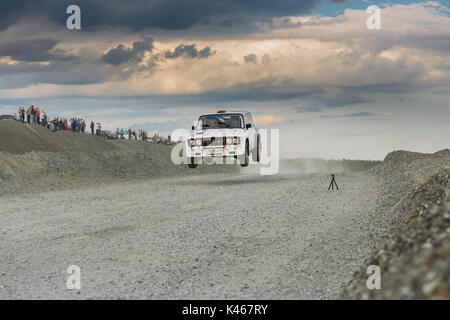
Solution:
(38, 116)
(22, 114)
(44, 120)
(28, 113)
(92, 126)
(32, 113)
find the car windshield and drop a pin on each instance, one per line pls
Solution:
(219, 121)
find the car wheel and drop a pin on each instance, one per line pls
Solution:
(244, 158)
(256, 154)
(191, 163)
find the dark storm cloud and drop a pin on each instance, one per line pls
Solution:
(163, 14)
(350, 115)
(313, 108)
(122, 54)
(189, 51)
(348, 96)
(205, 52)
(36, 50)
(71, 73)
(237, 93)
(258, 92)
(344, 99)
(359, 114)
(251, 58)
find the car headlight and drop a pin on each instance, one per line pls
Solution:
(192, 142)
(236, 140)
(229, 140)
(198, 142)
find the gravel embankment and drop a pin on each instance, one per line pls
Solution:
(414, 257)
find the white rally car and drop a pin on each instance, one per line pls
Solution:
(224, 135)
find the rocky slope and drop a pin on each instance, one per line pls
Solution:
(414, 256)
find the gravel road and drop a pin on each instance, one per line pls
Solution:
(239, 236)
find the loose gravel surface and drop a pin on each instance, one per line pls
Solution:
(224, 236)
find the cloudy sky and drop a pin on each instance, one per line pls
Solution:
(311, 68)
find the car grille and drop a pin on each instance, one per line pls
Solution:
(212, 142)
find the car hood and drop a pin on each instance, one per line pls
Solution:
(218, 132)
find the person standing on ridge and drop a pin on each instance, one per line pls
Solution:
(44, 120)
(99, 128)
(22, 114)
(38, 116)
(33, 114)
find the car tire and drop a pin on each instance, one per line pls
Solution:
(256, 154)
(191, 163)
(245, 158)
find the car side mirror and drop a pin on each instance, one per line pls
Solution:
(248, 125)
(193, 128)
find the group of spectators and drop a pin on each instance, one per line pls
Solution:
(132, 134)
(73, 124)
(33, 115)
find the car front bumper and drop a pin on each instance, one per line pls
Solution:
(205, 152)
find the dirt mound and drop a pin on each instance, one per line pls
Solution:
(412, 168)
(403, 172)
(19, 138)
